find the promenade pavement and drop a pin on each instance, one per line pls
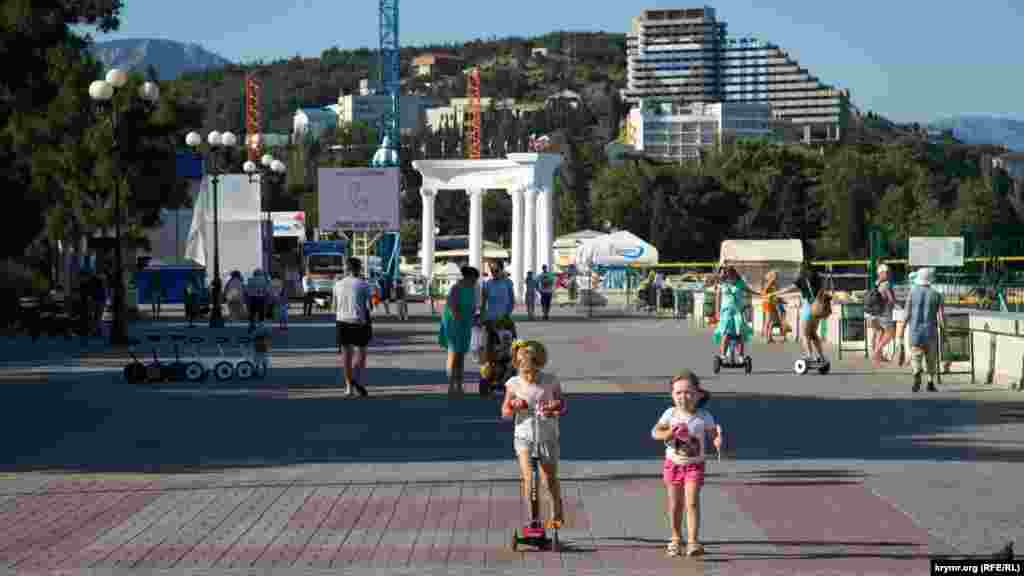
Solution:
(848, 473)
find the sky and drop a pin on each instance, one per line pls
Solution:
(909, 60)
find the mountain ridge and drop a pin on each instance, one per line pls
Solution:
(984, 129)
(170, 58)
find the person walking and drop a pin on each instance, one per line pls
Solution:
(924, 311)
(233, 295)
(457, 327)
(884, 321)
(547, 290)
(531, 294)
(256, 291)
(684, 428)
(99, 302)
(353, 324)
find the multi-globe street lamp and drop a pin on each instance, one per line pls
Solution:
(272, 169)
(218, 142)
(102, 92)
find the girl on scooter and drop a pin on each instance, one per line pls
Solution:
(536, 394)
(731, 324)
(684, 428)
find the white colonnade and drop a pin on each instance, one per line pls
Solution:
(527, 178)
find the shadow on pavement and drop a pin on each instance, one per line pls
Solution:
(95, 422)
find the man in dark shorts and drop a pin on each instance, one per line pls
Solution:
(354, 330)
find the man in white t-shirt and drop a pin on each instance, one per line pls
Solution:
(354, 329)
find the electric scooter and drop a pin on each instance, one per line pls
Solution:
(731, 360)
(195, 370)
(134, 371)
(534, 534)
(177, 368)
(223, 369)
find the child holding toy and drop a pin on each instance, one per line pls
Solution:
(535, 394)
(684, 428)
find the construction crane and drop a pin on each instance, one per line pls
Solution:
(473, 128)
(253, 116)
(390, 77)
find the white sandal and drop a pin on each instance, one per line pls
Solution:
(673, 550)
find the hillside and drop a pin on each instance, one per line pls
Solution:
(170, 59)
(985, 130)
(593, 64)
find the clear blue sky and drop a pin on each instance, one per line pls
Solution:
(911, 60)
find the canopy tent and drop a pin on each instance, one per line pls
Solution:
(622, 248)
(755, 258)
(242, 229)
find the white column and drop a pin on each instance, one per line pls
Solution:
(530, 231)
(544, 227)
(476, 228)
(518, 272)
(427, 235)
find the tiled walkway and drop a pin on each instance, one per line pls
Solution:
(847, 473)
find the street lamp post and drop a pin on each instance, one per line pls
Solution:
(102, 92)
(268, 167)
(224, 141)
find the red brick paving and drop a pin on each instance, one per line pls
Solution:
(609, 525)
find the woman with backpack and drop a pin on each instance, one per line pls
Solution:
(879, 303)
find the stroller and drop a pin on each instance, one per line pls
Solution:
(495, 369)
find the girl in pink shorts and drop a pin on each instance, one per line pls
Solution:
(683, 428)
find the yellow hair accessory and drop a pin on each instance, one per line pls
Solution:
(540, 353)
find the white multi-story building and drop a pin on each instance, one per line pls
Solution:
(685, 55)
(674, 131)
(370, 108)
(457, 108)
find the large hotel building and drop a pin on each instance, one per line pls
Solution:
(681, 58)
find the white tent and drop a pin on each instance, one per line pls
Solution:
(754, 258)
(240, 225)
(620, 248)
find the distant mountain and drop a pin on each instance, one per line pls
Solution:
(170, 58)
(985, 130)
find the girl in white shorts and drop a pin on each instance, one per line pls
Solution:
(534, 394)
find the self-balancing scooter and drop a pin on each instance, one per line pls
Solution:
(731, 360)
(533, 534)
(802, 365)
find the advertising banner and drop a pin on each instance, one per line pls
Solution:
(359, 198)
(289, 224)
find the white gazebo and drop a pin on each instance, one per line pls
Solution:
(528, 178)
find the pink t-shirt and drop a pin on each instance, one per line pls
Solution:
(547, 387)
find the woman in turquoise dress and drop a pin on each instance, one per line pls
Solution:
(731, 324)
(457, 326)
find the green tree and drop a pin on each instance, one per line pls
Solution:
(37, 37)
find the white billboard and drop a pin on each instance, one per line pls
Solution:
(359, 198)
(937, 251)
(289, 224)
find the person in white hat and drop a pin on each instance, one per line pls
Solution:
(924, 316)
